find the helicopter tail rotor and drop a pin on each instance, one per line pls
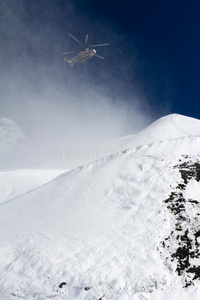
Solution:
(69, 61)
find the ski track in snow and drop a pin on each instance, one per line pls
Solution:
(97, 232)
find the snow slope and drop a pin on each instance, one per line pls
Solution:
(123, 227)
(169, 127)
(17, 182)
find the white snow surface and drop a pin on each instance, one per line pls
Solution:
(17, 182)
(166, 128)
(96, 230)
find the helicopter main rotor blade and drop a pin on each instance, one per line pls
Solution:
(86, 39)
(98, 45)
(99, 56)
(76, 39)
(70, 52)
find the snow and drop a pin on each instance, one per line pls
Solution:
(169, 127)
(193, 190)
(17, 182)
(96, 231)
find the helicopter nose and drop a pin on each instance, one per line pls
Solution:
(94, 51)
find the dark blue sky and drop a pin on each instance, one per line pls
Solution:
(167, 37)
(154, 52)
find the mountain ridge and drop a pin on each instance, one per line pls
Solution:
(168, 127)
(123, 227)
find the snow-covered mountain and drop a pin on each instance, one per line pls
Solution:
(167, 128)
(13, 143)
(11, 136)
(123, 227)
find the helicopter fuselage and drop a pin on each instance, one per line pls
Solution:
(82, 56)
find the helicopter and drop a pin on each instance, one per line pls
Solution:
(87, 52)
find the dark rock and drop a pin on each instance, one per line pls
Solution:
(187, 229)
(87, 288)
(61, 284)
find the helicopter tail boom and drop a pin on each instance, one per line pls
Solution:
(69, 61)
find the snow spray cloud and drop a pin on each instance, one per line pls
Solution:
(58, 106)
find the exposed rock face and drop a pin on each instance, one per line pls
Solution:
(182, 246)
